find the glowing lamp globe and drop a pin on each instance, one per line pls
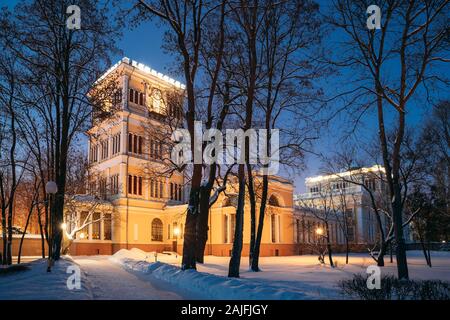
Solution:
(51, 187)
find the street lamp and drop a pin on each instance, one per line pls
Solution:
(51, 187)
(319, 231)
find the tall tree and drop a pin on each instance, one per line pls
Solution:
(61, 64)
(395, 61)
(198, 44)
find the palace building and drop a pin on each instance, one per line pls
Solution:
(147, 210)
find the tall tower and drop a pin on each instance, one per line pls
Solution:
(123, 152)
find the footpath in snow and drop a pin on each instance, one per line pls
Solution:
(109, 281)
(200, 285)
(292, 277)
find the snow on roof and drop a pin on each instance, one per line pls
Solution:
(144, 68)
(375, 168)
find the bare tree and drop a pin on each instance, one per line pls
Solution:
(198, 41)
(60, 65)
(10, 172)
(323, 209)
(286, 90)
(413, 35)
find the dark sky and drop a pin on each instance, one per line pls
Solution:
(143, 44)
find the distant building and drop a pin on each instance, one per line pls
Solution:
(346, 191)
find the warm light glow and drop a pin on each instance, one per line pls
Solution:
(336, 176)
(63, 226)
(145, 69)
(176, 231)
(319, 231)
(82, 235)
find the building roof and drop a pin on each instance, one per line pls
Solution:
(335, 176)
(143, 68)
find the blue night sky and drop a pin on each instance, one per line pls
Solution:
(144, 45)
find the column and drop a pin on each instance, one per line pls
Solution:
(125, 91)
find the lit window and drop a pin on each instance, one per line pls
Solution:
(157, 230)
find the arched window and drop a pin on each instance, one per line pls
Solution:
(273, 201)
(157, 230)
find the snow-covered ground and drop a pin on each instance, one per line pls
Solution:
(133, 274)
(109, 281)
(294, 277)
(38, 284)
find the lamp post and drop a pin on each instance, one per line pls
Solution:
(176, 232)
(51, 189)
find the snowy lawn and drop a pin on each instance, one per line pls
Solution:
(133, 274)
(295, 277)
(38, 284)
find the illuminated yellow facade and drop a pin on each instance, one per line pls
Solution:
(149, 210)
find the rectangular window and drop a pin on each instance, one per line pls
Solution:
(161, 188)
(107, 226)
(84, 233)
(96, 226)
(152, 193)
(130, 184)
(225, 229)
(131, 95)
(130, 142)
(273, 227)
(114, 184)
(136, 97)
(140, 186)
(180, 192)
(140, 145)
(116, 144)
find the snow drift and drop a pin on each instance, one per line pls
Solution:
(202, 284)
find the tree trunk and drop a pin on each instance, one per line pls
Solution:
(330, 250)
(202, 223)
(347, 249)
(381, 254)
(262, 214)
(252, 197)
(400, 252)
(4, 236)
(190, 239)
(24, 232)
(235, 261)
(41, 231)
